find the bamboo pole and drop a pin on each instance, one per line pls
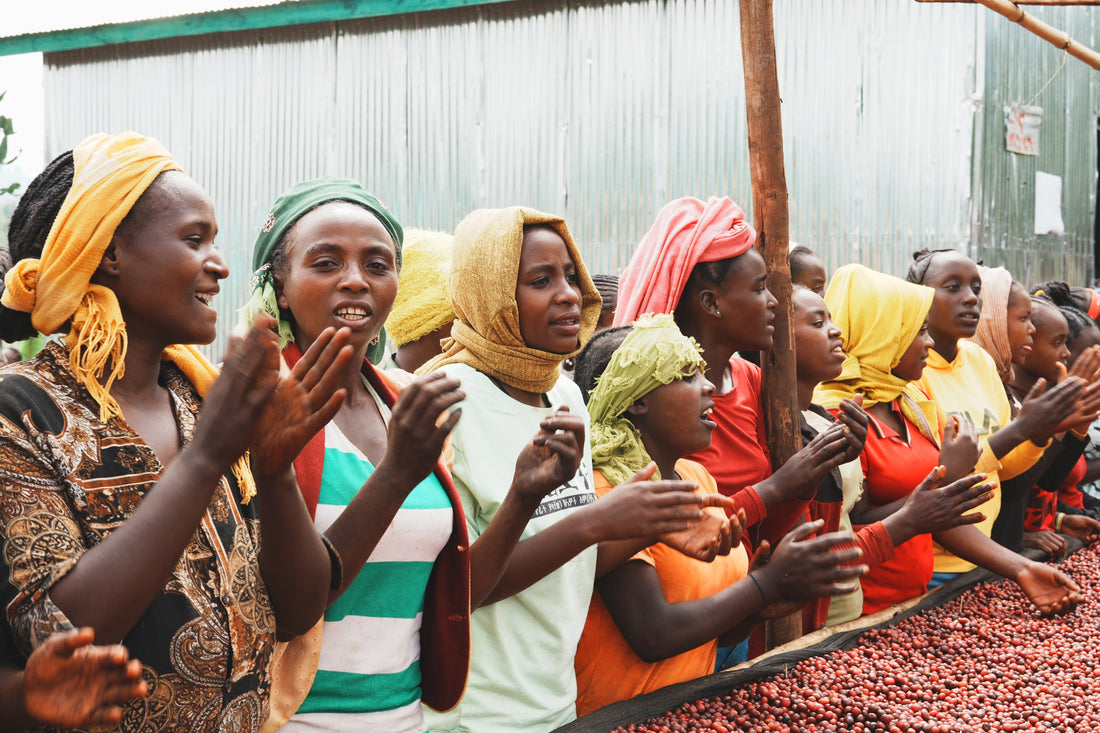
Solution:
(1047, 32)
(770, 215)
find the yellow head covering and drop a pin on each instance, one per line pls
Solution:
(879, 316)
(110, 174)
(423, 302)
(486, 333)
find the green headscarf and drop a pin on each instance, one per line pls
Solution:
(291, 206)
(654, 353)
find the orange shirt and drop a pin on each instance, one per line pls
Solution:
(607, 668)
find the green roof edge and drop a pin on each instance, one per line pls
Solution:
(221, 21)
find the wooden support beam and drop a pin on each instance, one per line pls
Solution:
(770, 216)
(1049, 33)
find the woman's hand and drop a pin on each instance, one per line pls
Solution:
(422, 419)
(799, 477)
(1082, 527)
(713, 535)
(230, 418)
(551, 458)
(803, 567)
(1043, 413)
(959, 451)
(70, 683)
(930, 509)
(640, 508)
(852, 416)
(1049, 589)
(1045, 541)
(302, 403)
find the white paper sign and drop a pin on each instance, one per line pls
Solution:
(1048, 204)
(1022, 128)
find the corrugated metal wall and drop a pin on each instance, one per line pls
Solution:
(1017, 66)
(600, 111)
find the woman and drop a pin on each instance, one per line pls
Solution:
(105, 455)
(963, 381)
(882, 320)
(524, 303)
(396, 630)
(820, 358)
(422, 313)
(658, 619)
(697, 262)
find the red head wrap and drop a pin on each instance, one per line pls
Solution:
(687, 231)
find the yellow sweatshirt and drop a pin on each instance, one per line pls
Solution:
(969, 388)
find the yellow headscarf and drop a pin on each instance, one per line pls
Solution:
(110, 174)
(485, 269)
(879, 316)
(423, 302)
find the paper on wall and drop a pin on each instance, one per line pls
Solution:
(1048, 204)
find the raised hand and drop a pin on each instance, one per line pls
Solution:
(959, 450)
(640, 507)
(551, 457)
(1045, 541)
(1082, 527)
(929, 509)
(802, 567)
(303, 401)
(70, 683)
(1044, 411)
(799, 477)
(419, 426)
(230, 418)
(713, 535)
(1049, 589)
(852, 416)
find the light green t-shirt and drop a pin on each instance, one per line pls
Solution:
(522, 648)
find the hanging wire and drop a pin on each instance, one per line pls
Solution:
(1065, 55)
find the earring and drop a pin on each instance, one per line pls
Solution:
(717, 312)
(374, 341)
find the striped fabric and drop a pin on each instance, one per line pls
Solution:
(369, 674)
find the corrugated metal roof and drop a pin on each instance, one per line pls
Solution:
(77, 15)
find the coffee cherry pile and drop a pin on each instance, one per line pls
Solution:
(985, 661)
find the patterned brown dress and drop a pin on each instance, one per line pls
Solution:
(67, 480)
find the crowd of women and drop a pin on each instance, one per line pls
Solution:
(466, 537)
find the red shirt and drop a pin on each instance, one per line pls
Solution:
(738, 454)
(893, 465)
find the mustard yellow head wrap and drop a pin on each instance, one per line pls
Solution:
(879, 316)
(110, 174)
(654, 353)
(423, 302)
(485, 269)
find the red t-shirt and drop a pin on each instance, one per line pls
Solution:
(893, 465)
(738, 454)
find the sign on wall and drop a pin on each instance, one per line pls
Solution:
(1022, 128)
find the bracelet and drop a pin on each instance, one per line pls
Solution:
(760, 588)
(336, 564)
(1058, 521)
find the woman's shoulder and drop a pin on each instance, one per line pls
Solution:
(41, 386)
(690, 470)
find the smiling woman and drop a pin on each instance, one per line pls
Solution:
(133, 491)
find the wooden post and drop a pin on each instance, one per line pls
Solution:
(770, 216)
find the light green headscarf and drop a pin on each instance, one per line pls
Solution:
(654, 353)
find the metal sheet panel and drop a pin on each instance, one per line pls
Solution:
(1019, 66)
(599, 111)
